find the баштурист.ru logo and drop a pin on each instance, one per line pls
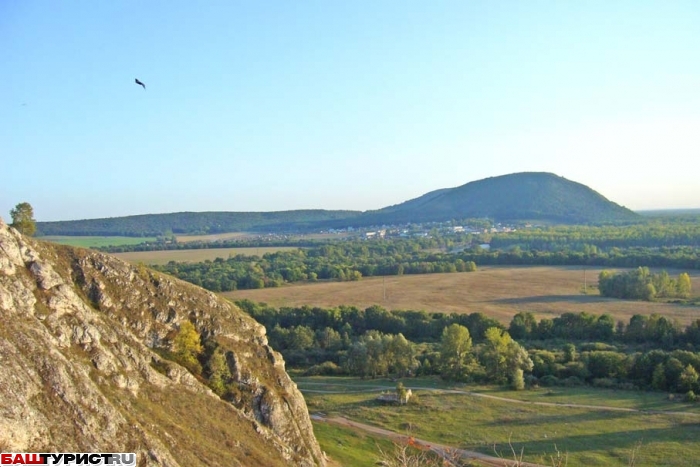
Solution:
(68, 458)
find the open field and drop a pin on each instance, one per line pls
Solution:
(90, 241)
(499, 292)
(200, 254)
(589, 426)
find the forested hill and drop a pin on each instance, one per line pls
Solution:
(531, 196)
(194, 223)
(537, 196)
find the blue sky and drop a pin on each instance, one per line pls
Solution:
(276, 105)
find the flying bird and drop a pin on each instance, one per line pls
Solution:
(139, 83)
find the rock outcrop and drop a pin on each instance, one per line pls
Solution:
(83, 337)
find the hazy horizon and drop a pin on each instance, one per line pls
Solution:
(7, 217)
(639, 211)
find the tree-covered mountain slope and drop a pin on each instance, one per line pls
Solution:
(537, 196)
(145, 225)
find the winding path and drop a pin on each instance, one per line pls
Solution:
(444, 451)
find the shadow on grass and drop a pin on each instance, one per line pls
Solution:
(551, 420)
(579, 298)
(624, 441)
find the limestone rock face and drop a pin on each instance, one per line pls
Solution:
(81, 339)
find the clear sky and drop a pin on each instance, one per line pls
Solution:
(277, 105)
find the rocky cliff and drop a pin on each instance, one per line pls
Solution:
(85, 347)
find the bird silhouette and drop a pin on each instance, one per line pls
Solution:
(139, 83)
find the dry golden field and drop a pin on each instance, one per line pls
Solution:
(201, 254)
(499, 292)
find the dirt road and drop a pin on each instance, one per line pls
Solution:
(446, 452)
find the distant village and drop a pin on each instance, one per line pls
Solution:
(481, 229)
(421, 230)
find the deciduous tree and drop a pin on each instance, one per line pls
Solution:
(683, 285)
(23, 218)
(503, 356)
(688, 380)
(187, 347)
(455, 351)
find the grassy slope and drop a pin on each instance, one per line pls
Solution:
(349, 448)
(499, 292)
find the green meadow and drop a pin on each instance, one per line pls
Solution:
(96, 241)
(591, 427)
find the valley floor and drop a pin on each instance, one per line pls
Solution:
(587, 426)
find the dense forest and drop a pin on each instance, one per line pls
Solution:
(648, 352)
(152, 225)
(527, 196)
(678, 257)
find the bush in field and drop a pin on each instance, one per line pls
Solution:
(549, 380)
(324, 369)
(517, 380)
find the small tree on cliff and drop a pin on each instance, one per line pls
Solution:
(23, 219)
(187, 346)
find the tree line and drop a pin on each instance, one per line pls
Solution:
(651, 233)
(420, 326)
(649, 352)
(343, 262)
(640, 284)
(683, 257)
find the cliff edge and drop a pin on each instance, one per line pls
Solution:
(85, 341)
